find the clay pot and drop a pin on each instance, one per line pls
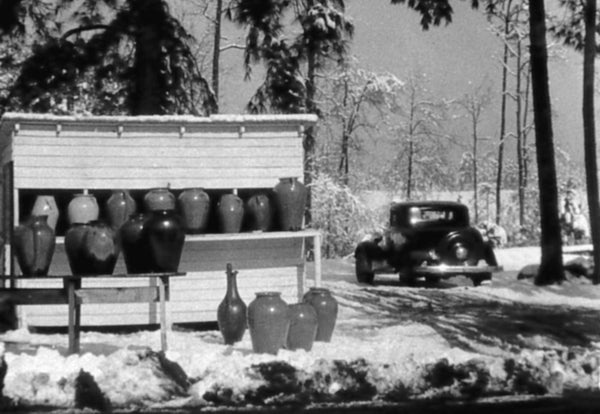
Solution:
(290, 200)
(159, 199)
(83, 208)
(231, 313)
(74, 249)
(134, 244)
(34, 244)
(258, 213)
(166, 237)
(303, 326)
(268, 322)
(230, 213)
(99, 249)
(326, 307)
(194, 208)
(45, 205)
(119, 207)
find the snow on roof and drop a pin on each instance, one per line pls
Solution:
(13, 117)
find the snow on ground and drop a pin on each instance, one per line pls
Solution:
(391, 343)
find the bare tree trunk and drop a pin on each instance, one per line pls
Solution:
(551, 266)
(410, 169)
(309, 135)
(217, 52)
(589, 132)
(502, 114)
(475, 178)
(520, 160)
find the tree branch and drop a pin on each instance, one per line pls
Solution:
(82, 29)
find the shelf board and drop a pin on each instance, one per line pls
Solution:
(255, 235)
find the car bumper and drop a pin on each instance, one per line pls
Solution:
(448, 270)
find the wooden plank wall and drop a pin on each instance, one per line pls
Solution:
(210, 156)
(263, 265)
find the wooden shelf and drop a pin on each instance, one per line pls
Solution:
(258, 235)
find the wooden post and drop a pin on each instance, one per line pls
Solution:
(74, 313)
(162, 281)
(317, 259)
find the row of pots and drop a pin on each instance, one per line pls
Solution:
(272, 323)
(194, 207)
(151, 243)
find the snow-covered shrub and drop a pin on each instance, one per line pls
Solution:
(340, 215)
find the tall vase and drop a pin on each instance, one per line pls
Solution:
(268, 322)
(34, 244)
(166, 238)
(45, 205)
(119, 207)
(194, 208)
(231, 313)
(258, 212)
(100, 249)
(74, 248)
(83, 208)
(134, 244)
(230, 213)
(159, 199)
(290, 200)
(303, 326)
(326, 307)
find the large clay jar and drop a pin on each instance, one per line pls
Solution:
(119, 207)
(165, 238)
(74, 248)
(134, 244)
(45, 205)
(290, 200)
(326, 307)
(230, 213)
(258, 213)
(34, 244)
(83, 208)
(194, 208)
(231, 313)
(159, 199)
(100, 249)
(303, 326)
(268, 322)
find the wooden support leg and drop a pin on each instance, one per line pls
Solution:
(317, 258)
(74, 315)
(163, 313)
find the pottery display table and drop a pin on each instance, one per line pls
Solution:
(74, 294)
(59, 156)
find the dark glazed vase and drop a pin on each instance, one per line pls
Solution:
(83, 208)
(34, 244)
(100, 249)
(268, 322)
(303, 326)
(159, 199)
(166, 237)
(194, 208)
(290, 200)
(45, 205)
(74, 249)
(258, 213)
(134, 244)
(230, 213)
(119, 207)
(326, 307)
(231, 313)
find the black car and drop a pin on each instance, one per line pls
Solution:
(431, 239)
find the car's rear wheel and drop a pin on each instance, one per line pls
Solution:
(480, 278)
(364, 268)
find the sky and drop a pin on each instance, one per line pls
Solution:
(456, 58)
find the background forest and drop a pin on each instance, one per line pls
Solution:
(382, 135)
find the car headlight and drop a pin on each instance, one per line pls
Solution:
(461, 252)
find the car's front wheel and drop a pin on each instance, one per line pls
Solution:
(363, 268)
